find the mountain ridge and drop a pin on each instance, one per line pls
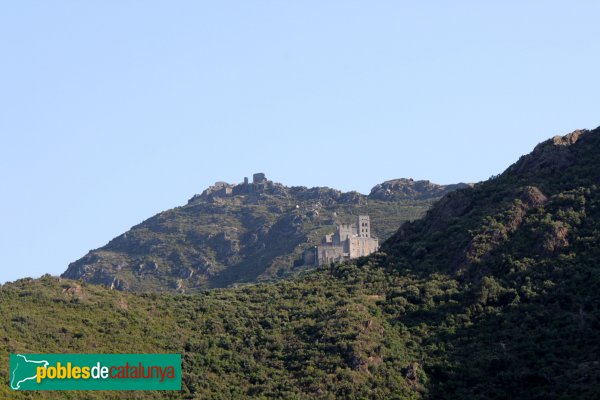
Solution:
(234, 233)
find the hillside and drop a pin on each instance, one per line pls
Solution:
(494, 294)
(318, 336)
(233, 233)
(524, 250)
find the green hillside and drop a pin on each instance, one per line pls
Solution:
(494, 294)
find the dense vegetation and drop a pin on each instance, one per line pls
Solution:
(493, 295)
(257, 232)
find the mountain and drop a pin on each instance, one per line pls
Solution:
(532, 209)
(493, 294)
(520, 257)
(246, 232)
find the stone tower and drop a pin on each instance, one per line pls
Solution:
(363, 226)
(259, 177)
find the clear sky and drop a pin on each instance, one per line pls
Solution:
(111, 111)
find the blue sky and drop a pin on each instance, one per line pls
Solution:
(111, 111)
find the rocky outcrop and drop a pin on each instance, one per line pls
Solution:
(408, 189)
(550, 155)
